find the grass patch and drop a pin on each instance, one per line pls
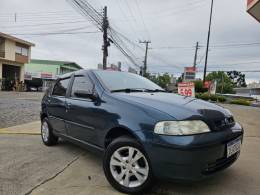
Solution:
(241, 102)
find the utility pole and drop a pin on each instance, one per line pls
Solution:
(207, 50)
(144, 71)
(196, 55)
(106, 43)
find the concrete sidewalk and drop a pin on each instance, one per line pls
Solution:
(33, 128)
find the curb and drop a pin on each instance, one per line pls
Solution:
(18, 133)
(32, 128)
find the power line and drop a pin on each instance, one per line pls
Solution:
(36, 12)
(135, 45)
(236, 64)
(122, 47)
(130, 25)
(88, 11)
(142, 18)
(55, 33)
(216, 46)
(213, 65)
(237, 44)
(132, 14)
(59, 30)
(44, 24)
(159, 58)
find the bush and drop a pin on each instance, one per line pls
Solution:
(221, 99)
(197, 95)
(241, 102)
(213, 98)
(205, 96)
(198, 86)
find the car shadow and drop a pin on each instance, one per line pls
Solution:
(221, 183)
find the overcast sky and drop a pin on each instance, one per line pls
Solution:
(173, 26)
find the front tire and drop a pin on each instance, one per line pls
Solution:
(126, 166)
(48, 138)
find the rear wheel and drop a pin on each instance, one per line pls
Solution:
(126, 166)
(47, 135)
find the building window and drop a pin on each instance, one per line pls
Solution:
(25, 51)
(22, 51)
(18, 50)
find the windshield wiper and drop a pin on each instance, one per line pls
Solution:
(154, 90)
(129, 90)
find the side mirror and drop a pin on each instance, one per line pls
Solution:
(85, 94)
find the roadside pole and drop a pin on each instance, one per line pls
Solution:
(106, 43)
(207, 50)
(144, 70)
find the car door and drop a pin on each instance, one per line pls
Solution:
(56, 105)
(81, 110)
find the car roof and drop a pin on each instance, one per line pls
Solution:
(83, 71)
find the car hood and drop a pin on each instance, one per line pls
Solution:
(179, 107)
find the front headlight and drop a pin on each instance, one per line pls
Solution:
(181, 127)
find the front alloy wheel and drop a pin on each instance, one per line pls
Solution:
(129, 167)
(126, 166)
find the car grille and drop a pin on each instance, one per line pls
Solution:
(225, 123)
(220, 164)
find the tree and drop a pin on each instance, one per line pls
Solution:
(224, 83)
(199, 86)
(238, 79)
(161, 80)
(180, 79)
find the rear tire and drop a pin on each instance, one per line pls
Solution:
(48, 138)
(127, 167)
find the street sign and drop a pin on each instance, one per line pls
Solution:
(213, 88)
(186, 89)
(189, 73)
(46, 75)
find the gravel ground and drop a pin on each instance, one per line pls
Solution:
(19, 107)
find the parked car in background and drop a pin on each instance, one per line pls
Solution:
(143, 131)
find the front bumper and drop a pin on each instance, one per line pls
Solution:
(191, 157)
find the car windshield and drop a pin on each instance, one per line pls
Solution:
(124, 81)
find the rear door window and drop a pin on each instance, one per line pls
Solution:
(61, 87)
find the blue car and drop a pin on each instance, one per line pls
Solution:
(142, 131)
